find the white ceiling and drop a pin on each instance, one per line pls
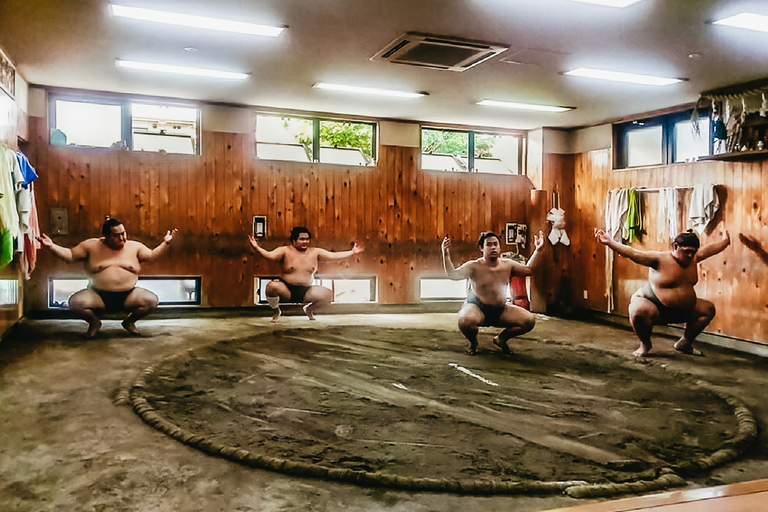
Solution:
(75, 43)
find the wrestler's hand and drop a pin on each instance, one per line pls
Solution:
(253, 241)
(446, 244)
(45, 240)
(357, 249)
(602, 236)
(168, 238)
(538, 241)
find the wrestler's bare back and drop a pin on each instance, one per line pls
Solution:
(673, 283)
(112, 269)
(299, 267)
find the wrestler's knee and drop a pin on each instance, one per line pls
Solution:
(141, 298)
(84, 299)
(706, 309)
(529, 322)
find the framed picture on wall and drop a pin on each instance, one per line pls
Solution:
(511, 233)
(7, 75)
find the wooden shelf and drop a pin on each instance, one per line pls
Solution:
(739, 156)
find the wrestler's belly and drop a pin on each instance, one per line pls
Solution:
(114, 279)
(298, 278)
(683, 299)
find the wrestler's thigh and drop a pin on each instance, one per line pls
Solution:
(85, 299)
(704, 308)
(140, 297)
(515, 315)
(640, 307)
(470, 314)
(277, 288)
(318, 293)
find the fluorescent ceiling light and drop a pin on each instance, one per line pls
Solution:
(746, 20)
(609, 3)
(368, 90)
(180, 70)
(188, 20)
(523, 106)
(618, 76)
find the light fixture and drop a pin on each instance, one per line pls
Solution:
(368, 90)
(618, 76)
(180, 70)
(524, 106)
(746, 20)
(189, 20)
(609, 3)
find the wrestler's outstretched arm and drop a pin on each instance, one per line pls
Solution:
(163, 247)
(462, 272)
(331, 255)
(714, 248)
(645, 258)
(77, 253)
(274, 255)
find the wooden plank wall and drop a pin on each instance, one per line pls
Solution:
(398, 212)
(735, 280)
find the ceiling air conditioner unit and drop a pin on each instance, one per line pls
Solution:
(438, 52)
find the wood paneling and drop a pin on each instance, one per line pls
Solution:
(733, 280)
(398, 212)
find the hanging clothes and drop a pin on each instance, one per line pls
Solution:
(616, 204)
(704, 206)
(633, 222)
(557, 217)
(29, 226)
(10, 180)
(667, 215)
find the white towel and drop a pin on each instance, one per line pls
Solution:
(704, 206)
(667, 214)
(615, 210)
(558, 235)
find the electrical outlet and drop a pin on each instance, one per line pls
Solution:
(586, 294)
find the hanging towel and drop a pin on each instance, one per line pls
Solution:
(615, 209)
(633, 222)
(667, 214)
(704, 206)
(558, 235)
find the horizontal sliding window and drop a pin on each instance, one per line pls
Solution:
(301, 139)
(433, 288)
(171, 291)
(469, 151)
(350, 291)
(124, 124)
(662, 140)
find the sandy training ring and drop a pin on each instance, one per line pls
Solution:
(404, 409)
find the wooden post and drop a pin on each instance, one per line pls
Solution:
(537, 221)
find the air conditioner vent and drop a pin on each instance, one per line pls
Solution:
(438, 52)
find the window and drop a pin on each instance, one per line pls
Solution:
(348, 291)
(302, 139)
(442, 289)
(467, 151)
(118, 123)
(9, 292)
(171, 291)
(662, 140)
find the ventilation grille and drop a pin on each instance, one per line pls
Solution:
(438, 52)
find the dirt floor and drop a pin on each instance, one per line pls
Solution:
(382, 394)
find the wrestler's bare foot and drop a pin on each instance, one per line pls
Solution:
(93, 328)
(643, 350)
(130, 327)
(471, 348)
(276, 315)
(308, 310)
(502, 345)
(686, 347)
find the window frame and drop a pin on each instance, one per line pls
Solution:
(522, 145)
(258, 291)
(198, 287)
(316, 145)
(668, 137)
(126, 119)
